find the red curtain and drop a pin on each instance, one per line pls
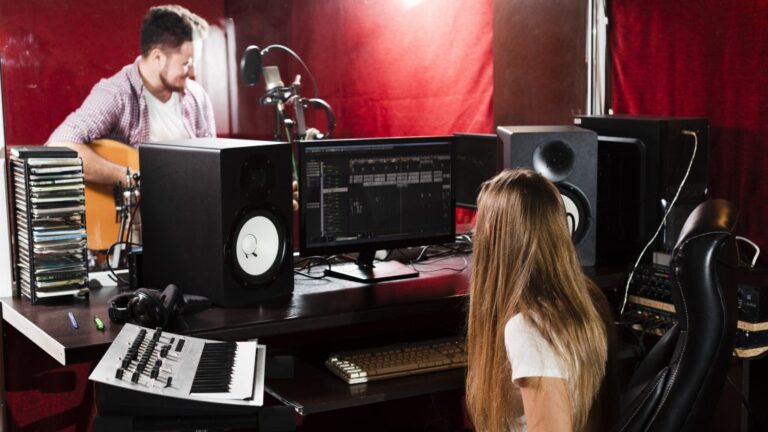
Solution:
(702, 58)
(399, 67)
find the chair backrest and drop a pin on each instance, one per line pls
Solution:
(678, 385)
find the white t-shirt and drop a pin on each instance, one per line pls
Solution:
(529, 354)
(165, 118)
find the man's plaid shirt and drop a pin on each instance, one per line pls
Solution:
(116, 109)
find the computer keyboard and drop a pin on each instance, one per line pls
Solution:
(398, 360)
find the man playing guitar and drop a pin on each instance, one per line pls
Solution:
(149, 100)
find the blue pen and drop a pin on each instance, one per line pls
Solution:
(72, 320)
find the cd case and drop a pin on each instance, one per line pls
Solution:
(48, 192)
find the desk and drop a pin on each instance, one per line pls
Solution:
(315, 305)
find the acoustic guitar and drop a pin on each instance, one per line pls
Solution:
(102, 222)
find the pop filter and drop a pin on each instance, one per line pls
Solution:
(251, 65)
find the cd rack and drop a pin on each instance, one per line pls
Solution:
(49, 218)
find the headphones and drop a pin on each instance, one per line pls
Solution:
(147, 307)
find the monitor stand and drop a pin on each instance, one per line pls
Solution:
(364, 270)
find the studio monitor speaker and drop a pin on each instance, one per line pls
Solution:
(567, 156)
(649, 156)
(216, 217)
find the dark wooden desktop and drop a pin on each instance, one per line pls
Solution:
(320, 316)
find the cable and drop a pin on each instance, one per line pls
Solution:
(421, 254)
(457, 270)
(133, 220)
(450, 249)
(752, 263)
(109, 265)
(307, 275)
(296, 56)
(293, 157)
(464, 238)
(664, 219)
(306, 263)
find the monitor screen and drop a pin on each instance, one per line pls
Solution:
(477, 160)
(361, 195)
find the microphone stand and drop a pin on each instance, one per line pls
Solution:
(282, 96)
(278, 96)
(252, 68)
(126, 199)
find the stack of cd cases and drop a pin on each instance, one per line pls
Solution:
(49, 217)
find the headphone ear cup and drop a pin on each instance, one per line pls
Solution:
(173, 301)
(118, 310)
(147, 308)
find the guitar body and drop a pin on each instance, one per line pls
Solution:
(102, 223)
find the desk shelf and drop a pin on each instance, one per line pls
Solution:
(307, 321)
(314, 389)
(313, 305)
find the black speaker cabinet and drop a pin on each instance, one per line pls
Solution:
(648, 157)
(477, 160)
(216, 217)
(567, 156)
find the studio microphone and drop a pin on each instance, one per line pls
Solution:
(276, 91)
(272, 78)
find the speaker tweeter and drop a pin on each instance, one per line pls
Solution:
(257, 178)
(554, 160)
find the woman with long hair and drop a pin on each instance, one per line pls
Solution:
(536, 341)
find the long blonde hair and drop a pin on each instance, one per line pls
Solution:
(524, 262)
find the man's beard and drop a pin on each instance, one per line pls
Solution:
(168, 85)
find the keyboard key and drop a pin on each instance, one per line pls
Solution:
(398, 360)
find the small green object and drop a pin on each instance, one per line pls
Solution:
(99, 323)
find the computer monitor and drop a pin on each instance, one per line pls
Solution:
(477, 160)
(362, 195)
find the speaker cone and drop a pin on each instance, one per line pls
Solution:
(577, 210)
(258, 247)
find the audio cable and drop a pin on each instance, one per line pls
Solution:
(663, 220)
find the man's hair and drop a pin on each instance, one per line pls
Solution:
(170, 26)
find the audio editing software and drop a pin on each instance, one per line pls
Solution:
(377, 192)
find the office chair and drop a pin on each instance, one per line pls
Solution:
(678, 385)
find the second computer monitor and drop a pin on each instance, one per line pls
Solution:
(477, 160)
(361, 195)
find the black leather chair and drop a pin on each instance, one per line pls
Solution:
(678, 385)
